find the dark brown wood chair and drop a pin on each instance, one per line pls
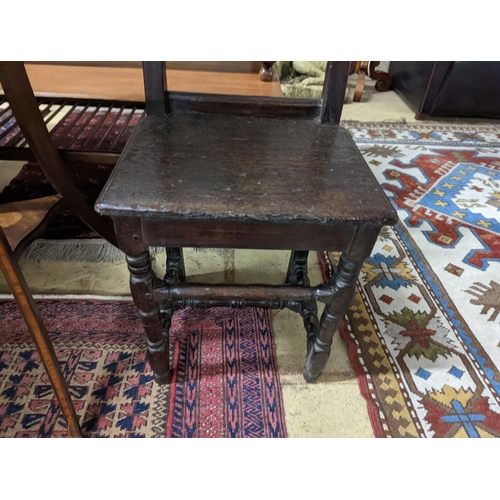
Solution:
(242, 172)
(20, 223)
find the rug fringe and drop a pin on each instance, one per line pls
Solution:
(79, 250)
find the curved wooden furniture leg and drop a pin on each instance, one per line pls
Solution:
(141, 286)
(384, 80)
(266, 71)
(23, 103)
(15, 279)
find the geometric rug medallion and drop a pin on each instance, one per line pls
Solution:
(424, 329)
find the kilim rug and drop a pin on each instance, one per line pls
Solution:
(424, 329)
(225, 375)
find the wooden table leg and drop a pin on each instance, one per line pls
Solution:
(141, 286)
(17, 283)
(343, 283)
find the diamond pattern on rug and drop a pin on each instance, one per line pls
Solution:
(423, 331)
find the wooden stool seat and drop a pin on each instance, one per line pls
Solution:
(201, 165)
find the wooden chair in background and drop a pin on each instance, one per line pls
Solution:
(220, 171)
(361, 69)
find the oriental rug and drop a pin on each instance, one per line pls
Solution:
(424, 329)
(225, 381)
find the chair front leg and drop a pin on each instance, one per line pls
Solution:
(343, 283)
(141, 286)
(319, 346)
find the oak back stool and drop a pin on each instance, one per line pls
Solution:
(243, 172)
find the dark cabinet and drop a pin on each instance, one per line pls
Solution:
(449, 89)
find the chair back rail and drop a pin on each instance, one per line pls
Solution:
(159, 101)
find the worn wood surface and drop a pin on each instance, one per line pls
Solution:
(285, 107)
(222, 176)
(343, 288)
(17, 283)
(334, 87)
(271, 296)
(231, 167)
(155, 86)
(232, 233)
(141, 286)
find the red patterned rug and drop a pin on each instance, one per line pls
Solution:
(225, 380)
(424, 328)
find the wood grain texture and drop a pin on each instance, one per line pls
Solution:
(232, 233)
(211, 66)
(197, 165)
(127, 84)
(181, 102)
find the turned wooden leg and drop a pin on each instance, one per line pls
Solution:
(15, 279)
(141, 285)
(175, 272)
(319, 346)
(266, 71)
(297, 275)
(343, 283)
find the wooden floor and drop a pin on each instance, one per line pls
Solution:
(125, 81)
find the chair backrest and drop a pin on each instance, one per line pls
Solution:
(328, 109)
